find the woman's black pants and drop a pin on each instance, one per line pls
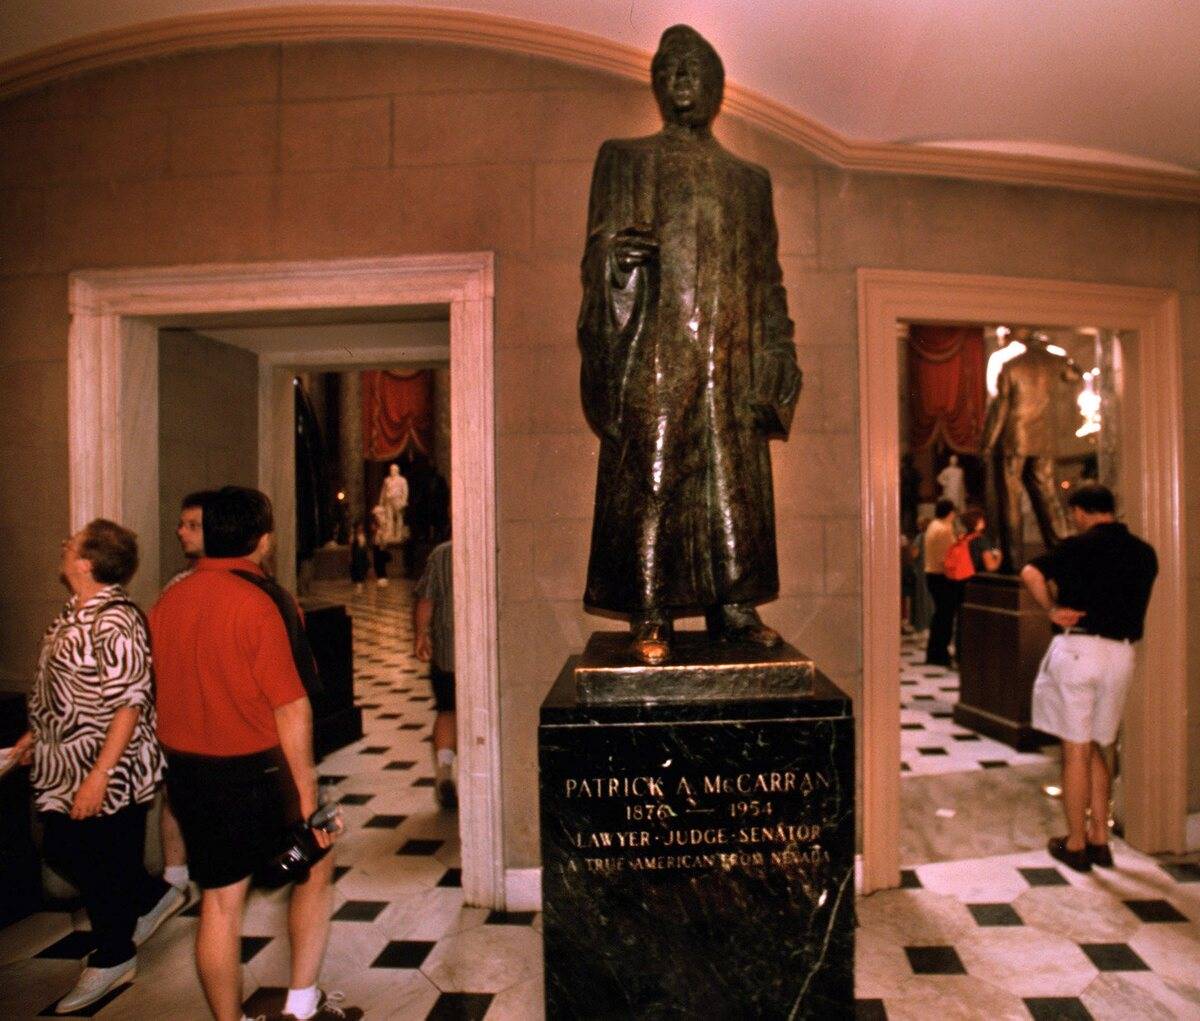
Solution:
(102, 857)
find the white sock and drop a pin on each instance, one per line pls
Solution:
(302, 1003)
(176, 875)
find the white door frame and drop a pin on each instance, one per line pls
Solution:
(112, 410)
(1155, 743)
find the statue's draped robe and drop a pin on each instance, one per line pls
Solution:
(674, 354)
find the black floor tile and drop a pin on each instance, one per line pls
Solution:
(460, 1007)
(1155, 911)
(924, 698)
(951, 687)
(410, 726)
(330, 780)
(339, 871)
(423, 781)
(994, 914)
(355, 799)
(74, 946)
(1044, 877)
(869, 1010)
(909, 880)
(384, 822)
(1183, 872)
(359, 911)
(369, 705)
(420, 846)
(403, 954)
(1057, 1008)
(510, 918)
(1113, 957)
(965, 737)
(391, 716)
(933, 750)
(993, 763)
(267, 1001)
(941, 715)
(912, 726)
(905, 767)
(400, 764)
(909, 684)
(252, 945)
(934, 961)
(452, 878)
(374, 749)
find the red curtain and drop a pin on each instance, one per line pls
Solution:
(397, 412)
(946, 388)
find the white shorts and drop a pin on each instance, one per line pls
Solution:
(1080, 690)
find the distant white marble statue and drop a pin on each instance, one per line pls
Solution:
(393, 498)
(950, 479)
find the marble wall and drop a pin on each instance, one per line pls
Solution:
(207, 426)
(358, 149)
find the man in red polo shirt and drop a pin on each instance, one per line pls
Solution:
(236, 725)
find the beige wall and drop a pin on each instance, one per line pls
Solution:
(334, 150)
(207, 426)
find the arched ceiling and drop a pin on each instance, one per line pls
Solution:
(1110, 82)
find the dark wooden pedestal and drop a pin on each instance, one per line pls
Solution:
(337, 721)
(1004, 636)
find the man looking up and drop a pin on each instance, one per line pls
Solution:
(236, 726)
(190, 532)
(1095, 587)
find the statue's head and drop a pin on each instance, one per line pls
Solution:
(688, 77)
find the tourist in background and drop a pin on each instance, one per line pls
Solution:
(921, 611)
(1095, 587)
(96, 762)
(360, 556)
(939, 537)
(433, 643)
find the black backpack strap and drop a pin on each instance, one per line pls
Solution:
(302, 654)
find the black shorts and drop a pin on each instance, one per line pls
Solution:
(234, 812)
(442, 682)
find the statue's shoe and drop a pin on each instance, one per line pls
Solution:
(743, 624)
(651, 642)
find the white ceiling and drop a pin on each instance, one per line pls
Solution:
(1105, 80)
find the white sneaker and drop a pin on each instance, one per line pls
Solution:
(96, 983)
(171, 902)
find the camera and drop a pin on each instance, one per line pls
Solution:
(302, 852)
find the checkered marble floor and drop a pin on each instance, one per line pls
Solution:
(930, 741)
(1009, 937)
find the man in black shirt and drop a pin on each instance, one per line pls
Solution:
(1095, 587)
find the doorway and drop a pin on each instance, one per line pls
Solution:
(1155, 751)
(113, 443)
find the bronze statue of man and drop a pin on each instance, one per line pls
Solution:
(688, 367)
(1021, 439)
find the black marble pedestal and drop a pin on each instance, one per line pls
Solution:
(698, 855)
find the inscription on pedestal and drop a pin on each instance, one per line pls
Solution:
(673, 821)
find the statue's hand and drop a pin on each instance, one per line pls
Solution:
(633, 247)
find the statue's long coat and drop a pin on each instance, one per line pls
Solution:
(684, 505)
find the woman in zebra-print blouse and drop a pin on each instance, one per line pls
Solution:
(96, 760)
